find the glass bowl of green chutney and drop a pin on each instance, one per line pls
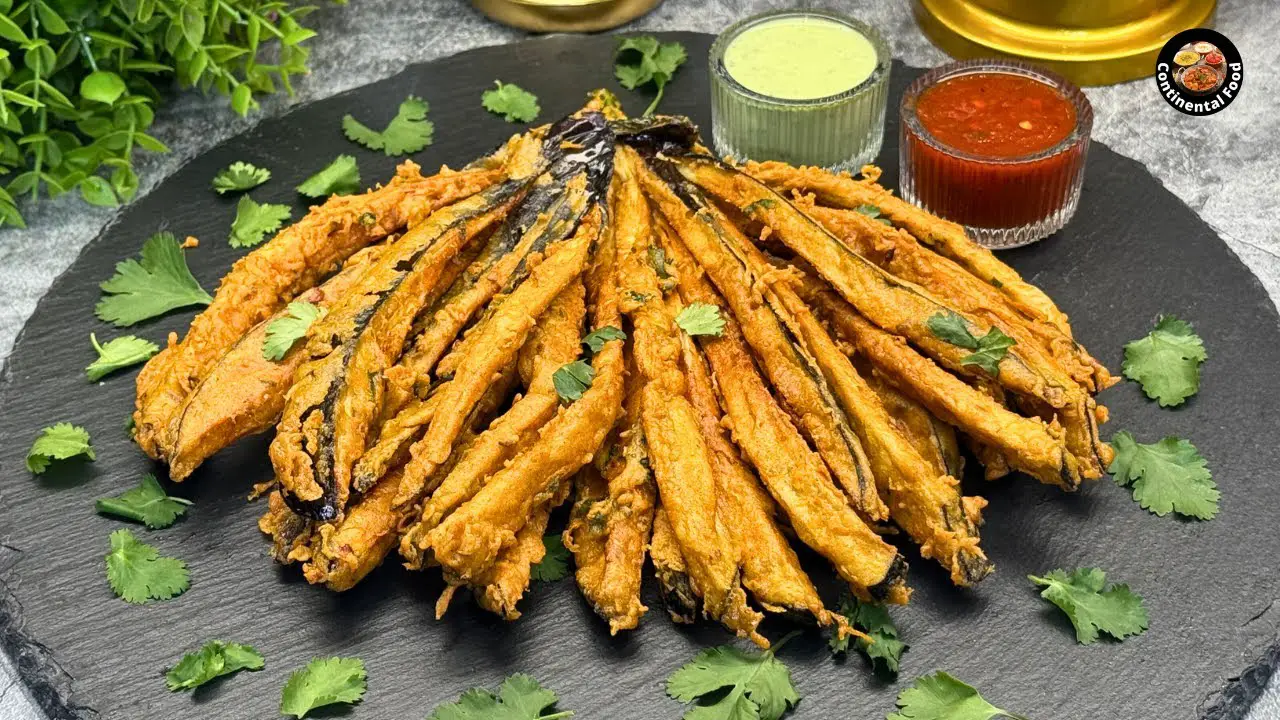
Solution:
(807, 87)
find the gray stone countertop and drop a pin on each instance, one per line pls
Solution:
(1223, 166)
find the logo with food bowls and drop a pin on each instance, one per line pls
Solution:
(1199, 72)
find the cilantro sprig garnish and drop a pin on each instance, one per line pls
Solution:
(58, 442)
(988, 350)
(215, 659)
(942, 697)
(596, 339)
(873, 212)
(118, 354)
(340, 177)
(642, 60)
(700, 319)
(289, 328)
(730, 683)
(240, 176)
(512, 102)
(139, 574)
(1166, 362)
(254, 220)
(520, 697)
(1092, 606)
(573, 379)
(554, 565)
(1168, 476)
(323, 682)
(408, 132)
(148, 504)
(153, 285)
(885, 647)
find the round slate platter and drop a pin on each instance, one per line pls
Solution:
(1132, 252)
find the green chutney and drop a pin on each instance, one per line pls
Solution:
(800, 58)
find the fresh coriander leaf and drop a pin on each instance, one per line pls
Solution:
(323, 682)
(240, 176)
(1092, 608)
(408, 132)
(942, 697)
(596, 339)
(989, 349)
(253, 221)
(641, 60)
(885, 649)
(138, 574)
(59, 442)
(520, 697)
(152, 286)
(214, 660)
(289, 328)
(761, 204)
(573, 379)
(119, 353)
(873, 212)
(700, 319)
(1168, 476)
(1166, 362)
(759, 685)
(512, 102)
(554, 565)
(340, 177)
(148, 503)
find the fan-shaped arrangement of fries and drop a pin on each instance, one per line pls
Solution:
(505, 338)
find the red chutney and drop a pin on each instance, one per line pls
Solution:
(970, 141)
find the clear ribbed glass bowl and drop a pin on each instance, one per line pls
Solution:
(1001, 202)
(840, 132)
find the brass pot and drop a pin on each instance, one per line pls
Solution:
(565, 15)
(1091, 42)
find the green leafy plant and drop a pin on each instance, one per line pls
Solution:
(942, 697)
(520, 697)
(988, 350)
(512, 102)
(214, 660)
(79, 80)
(1092, 605)
(1167, 476)
(323, 682)
(289, 328)
(58, 442)
(139, 574)
(148, 504)
(121, 352)
(1166, 362)
(700, 319)
(554, 565)
(725, 682)
(572, 379)
(885, 648)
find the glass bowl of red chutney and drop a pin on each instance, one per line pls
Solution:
(997, 146)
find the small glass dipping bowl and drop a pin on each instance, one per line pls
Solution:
(842, 131)
(1002, 201)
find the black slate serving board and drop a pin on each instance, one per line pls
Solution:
(1132, 252)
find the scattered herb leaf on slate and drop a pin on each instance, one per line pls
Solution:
(323, 682)
(240, 176)
(758, 684)
(1168, 476)
(700, 319)
(157, 283)
(596, 339)
(117, 354)
(59, 442)
(554, 565)
(520, 697)
(254, 220)
(512, 102)
(573, 379)
(641, 60)
(139, 574)
(289, 328)
(989, 349)
(942, 697)
(340, 177)
(885, 650)
(215, 659)
(148, 503)
(408, 132)
(1166, 362)
(1091, 606)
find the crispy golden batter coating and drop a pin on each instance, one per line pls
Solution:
(267, 278)
(935, 440)
(509, 578)
(678, 596)
(586, 535)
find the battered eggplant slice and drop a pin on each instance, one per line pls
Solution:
(793, 474)
(587, 532)
(244, 392)
(946, 238)
(935, 440)
(509, 578)
(795, 375)
(906, 308)
(265, 280)
(770, 568)
(468, 542)
(555, 342)
(678, 596)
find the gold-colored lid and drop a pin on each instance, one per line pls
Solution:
(1091, 42)
(565, 15)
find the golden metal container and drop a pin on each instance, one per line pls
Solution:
(1091, 42)
(565, 15)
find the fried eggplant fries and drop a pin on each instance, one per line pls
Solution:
(713, 365)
